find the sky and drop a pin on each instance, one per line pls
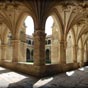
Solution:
(30, 25)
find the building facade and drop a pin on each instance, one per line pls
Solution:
(30, 48)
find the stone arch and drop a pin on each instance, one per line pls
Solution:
(21, 19)
(47, 55)
(76, 19)
(5, 19)
(20, 33)
(55, 44)
(85, 50)
(57, 19)
(82, 32)
(85, 41)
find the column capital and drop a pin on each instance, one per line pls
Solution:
(81, 48)
(15, 40)
(3, 51)
(61, 41)
(39, 32)
(75, 46)
(3, 45)
(16, 46)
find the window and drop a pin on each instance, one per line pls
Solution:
(29, 42)
(49, 41)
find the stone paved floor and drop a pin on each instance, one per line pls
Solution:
(72, 79)
(11, 79)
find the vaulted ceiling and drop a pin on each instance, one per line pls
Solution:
(71, 13)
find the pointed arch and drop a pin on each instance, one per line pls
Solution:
(85, 40)
(6, 20)
(21, 19)
(76, 19)
(57, 18)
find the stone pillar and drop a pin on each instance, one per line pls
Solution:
(39, 48)
(87, 52)
(16, 50)
(23, 47)
(3, 52)
(75, 53)
(0, 52)
(62, 53)
(54, 52)
(82, 57)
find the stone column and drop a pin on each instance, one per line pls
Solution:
(75, 53)
(23, 47)
(62, 53)
(39, 48)
(16, 50)
(0, 52)
(82, 56)
(54, 52)
(87, 52)
(3, 52)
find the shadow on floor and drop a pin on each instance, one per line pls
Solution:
(25, 83)
(4, 71)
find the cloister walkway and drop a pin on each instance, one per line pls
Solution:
(72, 79)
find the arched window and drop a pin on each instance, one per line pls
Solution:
(29, 36)
(29, 42)
(48, 31)
(47, 55)
(28, 55)
(49, 41)
(29, 25)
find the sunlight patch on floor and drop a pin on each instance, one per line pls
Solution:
(86, 67)
(70, 73)
(42, 82)
(11, 77)
(1, 68)
(81, 69)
